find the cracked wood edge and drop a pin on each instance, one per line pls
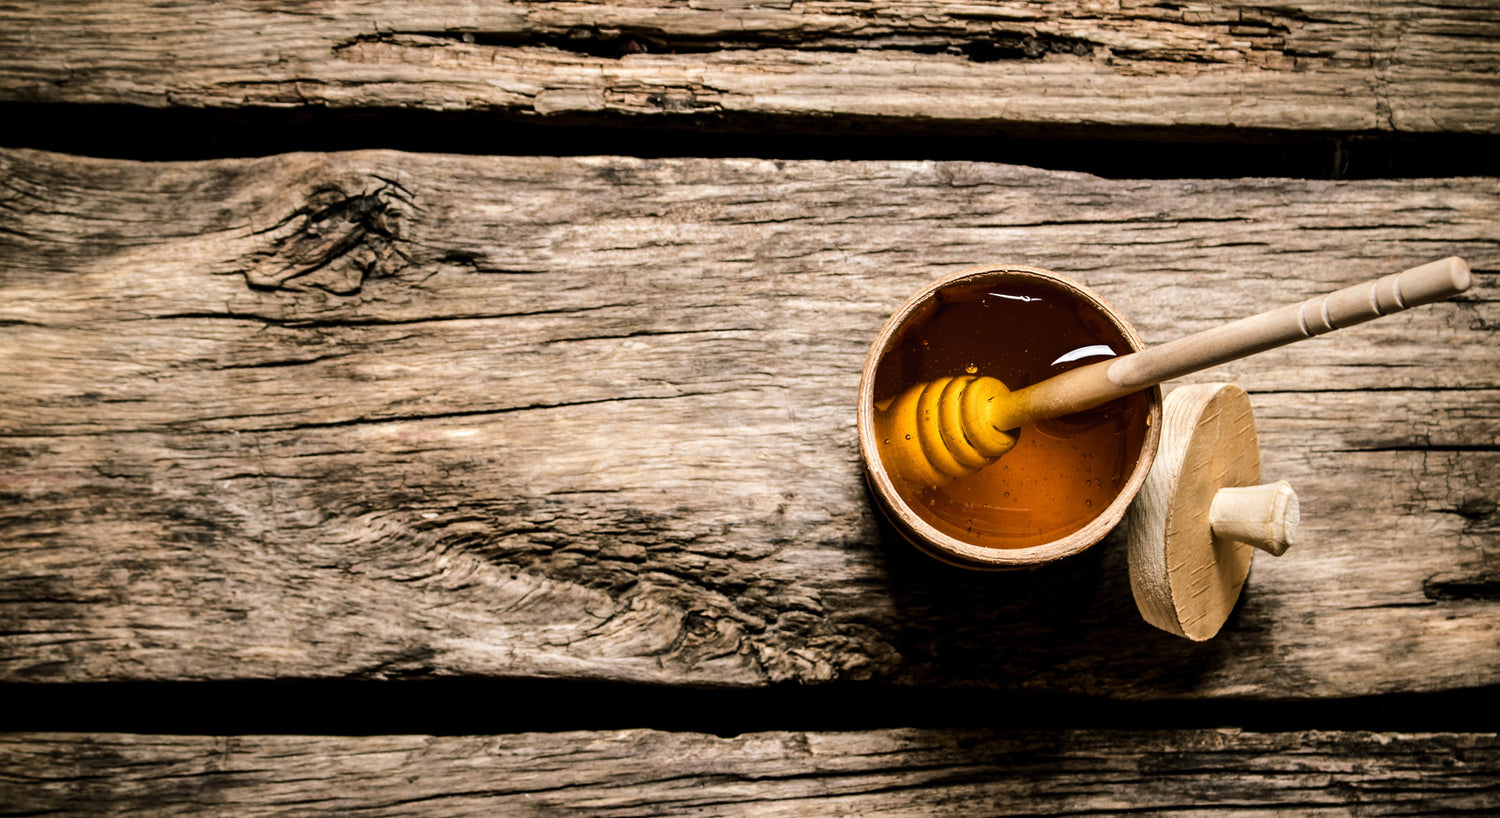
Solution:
(1339, 66)
(373, 415)
(642, 772)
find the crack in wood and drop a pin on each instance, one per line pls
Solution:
(615, 43)
(1451, 587)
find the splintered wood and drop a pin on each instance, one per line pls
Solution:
(1345, 66)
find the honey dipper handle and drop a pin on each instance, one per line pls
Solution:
(1098, 383)
(1430, 282)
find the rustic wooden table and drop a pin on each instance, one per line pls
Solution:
(515, 471)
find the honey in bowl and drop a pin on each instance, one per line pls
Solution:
(1062, 473)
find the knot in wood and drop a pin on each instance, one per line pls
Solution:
(335, 241)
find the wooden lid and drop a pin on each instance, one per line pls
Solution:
(1185, 574)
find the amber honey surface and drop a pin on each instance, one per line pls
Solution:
(1062, 473)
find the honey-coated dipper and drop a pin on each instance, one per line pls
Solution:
(952, 427)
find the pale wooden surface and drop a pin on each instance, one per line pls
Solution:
(1328, 66)
(642, 772)
(1185, 580)
(376, 414)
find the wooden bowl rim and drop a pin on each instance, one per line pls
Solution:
(950, 549)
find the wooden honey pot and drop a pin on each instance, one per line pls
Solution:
(1008, 417)
(1062, 488)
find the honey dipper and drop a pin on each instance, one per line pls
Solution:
(952, 427)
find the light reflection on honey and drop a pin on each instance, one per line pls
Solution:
(1062, 473)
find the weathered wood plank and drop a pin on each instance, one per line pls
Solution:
(640, 772)
(1334, 65)
(377, 414)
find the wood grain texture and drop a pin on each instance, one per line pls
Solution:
(1332, 65)
(370, 415)
(640, 772)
